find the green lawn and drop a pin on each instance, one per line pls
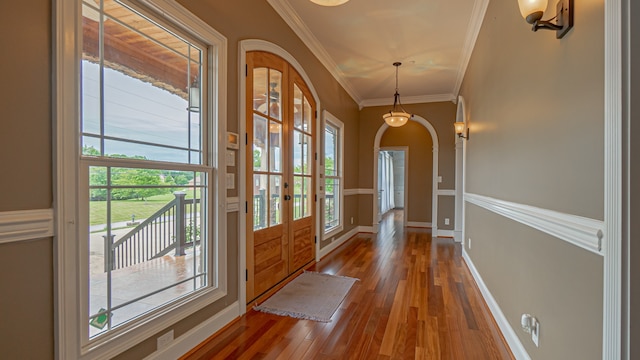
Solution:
(122, 210)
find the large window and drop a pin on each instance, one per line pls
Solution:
(333, 143)
(146, 181)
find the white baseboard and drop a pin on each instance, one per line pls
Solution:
(419, 224)
(367, 229)
(198, 334)
(339, 241)
(457, 236)
(509, 334)
(445, 233)
(25, 225)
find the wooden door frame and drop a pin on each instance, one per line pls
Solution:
(244, 47)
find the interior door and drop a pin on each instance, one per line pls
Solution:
(280, 167)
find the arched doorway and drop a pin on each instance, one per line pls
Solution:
(296, 173)
(434, 188)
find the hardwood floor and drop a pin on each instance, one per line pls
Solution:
(415, 300)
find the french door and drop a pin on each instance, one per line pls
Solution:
(280, 167)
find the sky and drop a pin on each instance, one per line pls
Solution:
(136, 110)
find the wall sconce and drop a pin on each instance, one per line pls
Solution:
(460, 129)
(532, 11)
(194, 96)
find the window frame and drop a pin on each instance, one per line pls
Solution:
(69, 264)
(334, 122)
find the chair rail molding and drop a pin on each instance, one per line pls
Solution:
(348, 192)
(25, 225)
(577, 230)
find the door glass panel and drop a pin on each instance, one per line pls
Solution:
(297, 152)
(306, 159)
(275, 210)
(260, 205)
(306, 126)
(306, 196)
(260, 90)
(298, 184)
(260, 151)
(275, 146)
(297, 107)
(275, 92)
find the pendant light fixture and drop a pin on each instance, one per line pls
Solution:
(398, 116)
(329, 2)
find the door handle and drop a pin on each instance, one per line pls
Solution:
(287, 197)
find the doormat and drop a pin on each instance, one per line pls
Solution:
(312, 296)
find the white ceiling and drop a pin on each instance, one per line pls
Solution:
(360, 40)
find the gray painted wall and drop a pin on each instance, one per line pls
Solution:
(535, 106)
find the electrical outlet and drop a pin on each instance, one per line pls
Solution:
(164, 340)
(469, 243)
(535, 331)
(446, 221)
(352, 220)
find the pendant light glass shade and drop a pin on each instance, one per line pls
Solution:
(397, 116)
(329, 2)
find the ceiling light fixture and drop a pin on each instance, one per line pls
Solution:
(329, 2)
(398, 116)
(532, 11)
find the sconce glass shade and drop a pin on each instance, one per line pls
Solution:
(329, 2)
(396, 118)
(459, 127)
(530, 7)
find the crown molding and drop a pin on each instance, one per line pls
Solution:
(291, 17)
(409, 100)
(475, 24)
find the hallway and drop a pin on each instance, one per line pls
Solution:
(415, 299)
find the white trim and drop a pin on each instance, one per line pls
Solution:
(420, 224)
(445, 233)
(197, 334)
(337, 242)
(625, 259)
(461, 147)
(348, 192)
(509, 334)
(69, 288)
(446, 192)
(475, 24)
(612, 292)
(420, 99)
(291, 17)
(25, 225)
(366, 229)
(577, 230)
(243, 47)
(434, 188)
(66, 102)
(333, 122)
